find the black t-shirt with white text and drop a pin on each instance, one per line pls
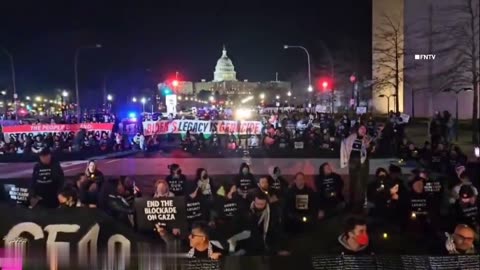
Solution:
(177, 184)
(356, 148)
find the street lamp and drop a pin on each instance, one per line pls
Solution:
(4, 93)
(109, 97)
(289, 93)
(277, 97)
(456, 92)
(64, 94)
(353, 79)
(12, 68)
(262, 96)
(310, 88)
(75, 67)
(27, 98)
(134, 99)
(39, 99)
(388, 100)
(143, 100)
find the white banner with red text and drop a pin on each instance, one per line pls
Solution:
(198, 126)
(24, 131)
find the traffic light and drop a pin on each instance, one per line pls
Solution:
(324, 85)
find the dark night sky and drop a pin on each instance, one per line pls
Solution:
(164, 38)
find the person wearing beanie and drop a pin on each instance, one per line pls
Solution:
(329, 186)
(466, 209)
(463, 181)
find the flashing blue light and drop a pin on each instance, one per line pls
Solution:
(132, 115)
(167, 91)
(133, 119)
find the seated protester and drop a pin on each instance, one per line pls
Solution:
(434, 190)
(329, 187)
(263, 185)
(245, 181)
(196, 210)
(111, 201)
(439, 159)
(129, 191)
(418, 207)
(176, 180)
(301, 206)
(201, 247)
(412, 153)
(93, 173)
(162, 190)
(464, 180)
(390, 205)
(354, 240)
(277, 182)
(466, 210)
(376, 188)
(458, 243)
(455, 158)
(267, 237)
(67, 197)
(205, 184)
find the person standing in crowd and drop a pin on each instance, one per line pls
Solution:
(461, 242)
(301, 206)
(354, 240)
(245, 181)
(329, 186)
(176, 180)
(201, 247)
(162, 190)
(47, 180)
(267, 237)
(354, 154)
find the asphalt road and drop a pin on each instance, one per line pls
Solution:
(158, 166)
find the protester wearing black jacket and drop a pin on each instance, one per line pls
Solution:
(329, 186)
(267, 237)
(111, 201)
(176, 180)
(47, 180)
(466, 209)
(196, 209)
(301, 205)
(354, 240)
(277, 182)
(245, 181)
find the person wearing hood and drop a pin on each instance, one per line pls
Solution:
(47, 180)
(354, 240)
(461, 242)
(354, 154)
(245, 181)
(112, 202)
(162, 190)
(301, 205)
(267, 237)
(466, 209)
(329, 186)
(176, 180)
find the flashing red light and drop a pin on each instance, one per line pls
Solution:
(175, 83)
(324, 85)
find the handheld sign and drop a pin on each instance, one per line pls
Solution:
(17, 195)
(167, 212)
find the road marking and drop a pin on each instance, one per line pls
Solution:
(111, 161)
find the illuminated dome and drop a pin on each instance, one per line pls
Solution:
(224, 70)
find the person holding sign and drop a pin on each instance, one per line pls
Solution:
(201, 247)
(47, 179)
(301, 205)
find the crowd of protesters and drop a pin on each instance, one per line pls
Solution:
(257, 214)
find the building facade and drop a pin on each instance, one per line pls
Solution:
(225, 82)
(436, 46)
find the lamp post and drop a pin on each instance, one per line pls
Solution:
(388, 100)
(310, 87)
(75, 67)
(143, 100)
(456, 92)
(14, 84)
(353, 80)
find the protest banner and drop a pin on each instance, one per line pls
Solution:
(167, 212)
(23, 131)
(15, 194)
(222, 127)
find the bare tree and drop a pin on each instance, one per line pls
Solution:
(463, 28)
(389, 54)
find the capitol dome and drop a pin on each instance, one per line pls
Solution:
(224, 70)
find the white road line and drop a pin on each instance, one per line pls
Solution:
(111, 161)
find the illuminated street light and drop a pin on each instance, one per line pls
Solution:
(262, 96)
(310, 88)
(4, 93)
(179, 98)
(134, 99)
(211, 99)
(64, 93)
(39, 99)
(277, 97)
(109, 97)
(27, 98)
(143, 100)
(289, 93)
(34, 104)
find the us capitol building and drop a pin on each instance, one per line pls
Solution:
(226, 83)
